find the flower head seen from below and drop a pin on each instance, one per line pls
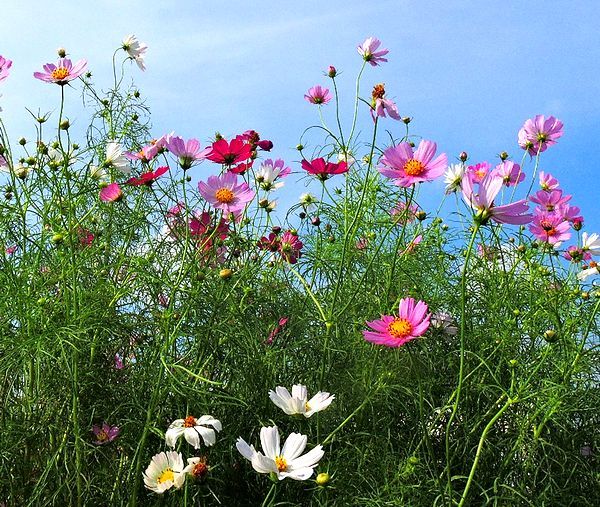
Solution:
(318, 95)
(270, 172)
(548, 182)
(371, 53)
(510, 173)
(5, 66)
(550, 228)
(324, 170)
(136, 50)
(61, 73)
(297, 403)
(225, 193)
(286, 462)
(164, 472)
(148, 178)
(192, 430)
(229, 153)
(111, 193)
(539, 133)
(412, 321)
(290, 247)
(406, 167)
(105, 433)
(453, 177)
(187, 152)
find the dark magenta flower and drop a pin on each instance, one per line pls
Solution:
(323, 170)
(290, 247)
(229, 153)
(147, 178)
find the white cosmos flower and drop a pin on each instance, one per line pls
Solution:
(298, 402)
(192, 429)
(453, 177)
(285, 462)
(582, 276)
(308, 202)
(116, 158)
(136, 50)
(164, 471)
(591, 243)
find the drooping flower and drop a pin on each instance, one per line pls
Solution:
(285, 462)
(229, 153)
(192, 429)
(482, 200)
(406, 167)
(224, 193)
(5, 65)
(136, 50)
(252, 137)
(550, 228)
(478, 171)
(453, 177)
(381, 105)
(105, 433)
(368, 50)
(548, 182)
(510, 173)
(164, 472)
(111, 193)
(269, 172)
(148, 178)
(297, 403)
(61, 73)
(391, 331)
(324, 170)
(318, 95)
(290, 247)
(308, 202)
(540, 132)
(187, 152)
(576, 254)
(115, 157)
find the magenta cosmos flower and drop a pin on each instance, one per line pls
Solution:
(391, 331)
(407, 168)
(111, 193)
(537, 134)
(368, 50)
(5, 65)
(318, 95)
(148, 178)
(323, 170)
(290, 246)
(229, 153)
(224, 192)
(478, 171)
(380, 105)
(61, 73)
(105, 433)
(187, 152)
(482, 200)
(550, 228)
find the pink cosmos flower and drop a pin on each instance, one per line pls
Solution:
(569, 213)
(111, 193)
(404, 215)
(147, 178)
(380, 105)
(412, 245)
(368, 50)
(105, 433)
(550, 228)
(224, 192)
(205, 229)
(539, 133)
(86, 237)
(270, 243)
(548, 182)
(323, 170)
(412, 321)
(187, 152)
(5, 65)
(478, 171)
(576, 254)
(407, 168)
(11, 249)
(510, 173)
(148, 152)
(482, 200)
(229, 153)
(318, 95)
(61, 73)
(289, 247)
(550, 200)
(119, 365)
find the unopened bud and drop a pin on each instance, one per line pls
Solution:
(299, 147)
(420, 215)
(503, 156)
(316, 221)
(64, 125)
(463, 156)
(323, 478)
(22, 141)
(62, 52)
(225, 274)
(406, 119)
(331, 72)
(550, 336)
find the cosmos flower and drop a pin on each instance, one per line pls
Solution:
(61, 73)
(550, 228)
(478, 171)
(147, 178)
(115, 157)
(453, 177)
(111, 193)
(591, 243)
(187, 152)
(285, 462)
(164, 472)
(540, 132)
(192, 429)
(229, 153)
(510, 173)
(297, 403)
(5, 65)
(406, 167)
(136, 50)
(280, 325)
(269, 172)
(324, 170)
(318, 95)
(550, 200)
(290, 247)
(381, 105)
(548, 182)
(368, 50)
(105, 433)
(225, 193)
(412, 322)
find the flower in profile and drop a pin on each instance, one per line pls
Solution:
(391, 331)
(252, 137)
(5, 65)
(380, 105)
(192, 429)
(403, 213)
(453, 177)
(111, 193)
(269, 172)
(187, 152)
(410, 248)
(369, 51)
(290, 247)
(548, 182)
(540, 132)
(196, 467)
(205, 229)
(135, 49)
(591, 243)
(297, 403)
(407, 167)
(164, 472)
(478, 171)
(224, 193)
(115, 157)
(324, 170)
(592, 270)
(105, 433)
(148, 178)
(61, 73)
(229, 153)
(318, 95)
(510, 173)
(285, 462)
(550, 228)
(444, 322)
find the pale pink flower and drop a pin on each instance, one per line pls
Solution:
(5, 65)
(548, 182)
(225, 193)
(61, 73)
(187, 152)
(318, 95)
(539, 133)
(407, 167)
(550, 200)
(510, 173)
(369, 51)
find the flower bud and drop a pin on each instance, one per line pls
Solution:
(22, 141)
(276, 229)
(225, 274)
(299, 147)
(463, 156)
(503, 156)
(57, 238)
(263, 203)
(316, 221)
(550, 336)
(406, 119)
(302, 215)
(64, 125)
(420, 215)
(331, 71)
(62, 52)
(323, 478)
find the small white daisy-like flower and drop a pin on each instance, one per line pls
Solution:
(285, 462)
(270, 173)
(164, 472)
(298, 402)
(192, 429)
(591, 243)
(453, 177)
(115, 157)
(136, 50)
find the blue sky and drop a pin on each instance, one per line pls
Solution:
(469, 72)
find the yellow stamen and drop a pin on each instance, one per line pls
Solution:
(413, 167)
(400, 328)
(224, 195)
(189, 422)
(281, 463)
(167, 475)
(60, 74)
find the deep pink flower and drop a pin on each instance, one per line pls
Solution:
(105, 433)
(478, 171)
(510, 173)
(119, 365)
(318, 95)
(368, 50)
(407, 168)
(231, 153)
(187, 152)
(252, 137)
(549, 201)
(482, 200)
(290, 247)
(539, 133)
(5, 65)
(412, 245)
(111, 193)
(147, 178)
(550, 227)
(323, 170)
(548, 182)
(86, 237)
(576, 254)
(11, 249)
(224, 193)
(270, 243)
(205, 230)
(61, 73)
(391, 331)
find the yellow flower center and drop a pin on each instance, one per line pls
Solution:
(400, 328)
(281, 463)
(413, 167)
(167, 475)
(306, 407)
(224, 195)
(60, 74)
(102, 436)
(480, 173)
(189, 422)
